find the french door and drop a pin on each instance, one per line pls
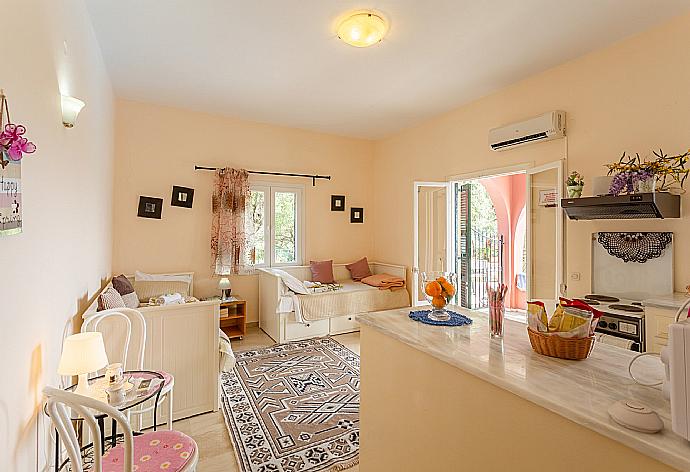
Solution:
(432, 232)
(545, 232)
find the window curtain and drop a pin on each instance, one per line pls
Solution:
(228, 237)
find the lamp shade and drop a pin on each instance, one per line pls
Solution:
(70, 110)
(82, 353)
(224, 283)
(362, 29)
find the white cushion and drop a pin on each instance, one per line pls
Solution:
(142, 276)
(291, 282)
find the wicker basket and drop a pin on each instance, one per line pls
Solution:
(563, 348)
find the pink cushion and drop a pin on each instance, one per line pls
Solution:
(322, 271)
(359, 269)
(156, 451)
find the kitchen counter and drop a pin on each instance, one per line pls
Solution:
(673, 301)
(579, 391)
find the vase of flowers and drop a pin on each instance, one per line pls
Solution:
(575, 184)
(636, 175)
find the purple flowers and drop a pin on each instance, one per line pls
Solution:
(625, 181)
(13, 144)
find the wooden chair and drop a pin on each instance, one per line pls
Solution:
(157, 450)
(128, 347)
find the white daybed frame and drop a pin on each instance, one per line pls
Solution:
(283, 327)
(182, 340)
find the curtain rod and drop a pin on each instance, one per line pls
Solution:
(313, 177)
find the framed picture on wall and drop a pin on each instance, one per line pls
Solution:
(182, 196)
(150, 207)
(356, 215)
(337, 202)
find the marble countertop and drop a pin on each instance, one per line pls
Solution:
(672, 301)
(581, 391)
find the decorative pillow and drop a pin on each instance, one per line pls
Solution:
(125, 288)
(147, 289)
(110, 298)
(322, 271)
(143, 276)
(291, 282)
(359, 269)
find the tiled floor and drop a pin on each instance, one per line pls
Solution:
(209, 430)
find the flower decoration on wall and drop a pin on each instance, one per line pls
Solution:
(637, 175)
(13, 144)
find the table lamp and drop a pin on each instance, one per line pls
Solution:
(225, 288)
(82, 354)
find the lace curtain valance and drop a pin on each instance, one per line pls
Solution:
(635, 247)
(228, 238)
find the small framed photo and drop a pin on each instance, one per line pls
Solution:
(150, 207)
(337, 202)
(182, 196)
(356, 215)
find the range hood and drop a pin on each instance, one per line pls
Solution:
(623, 207)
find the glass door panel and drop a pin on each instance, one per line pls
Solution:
(545, 232)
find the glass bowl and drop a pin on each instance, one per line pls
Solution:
(439, 289)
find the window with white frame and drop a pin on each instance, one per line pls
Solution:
(274, 225)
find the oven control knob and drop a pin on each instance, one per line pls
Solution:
(603, 324)
(612, 326)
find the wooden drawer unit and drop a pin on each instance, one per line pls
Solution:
(344, 324)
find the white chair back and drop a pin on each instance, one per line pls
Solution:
(59, 404)
(124, 335)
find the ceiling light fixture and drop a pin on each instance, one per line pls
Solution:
(362, 29)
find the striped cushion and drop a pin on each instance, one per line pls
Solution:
(147, 289)
(110, 298)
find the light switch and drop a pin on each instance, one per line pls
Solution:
(575, 276)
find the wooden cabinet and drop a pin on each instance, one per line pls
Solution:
(656, 326)
(233, 317)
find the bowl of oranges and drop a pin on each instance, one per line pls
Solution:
(439, 290)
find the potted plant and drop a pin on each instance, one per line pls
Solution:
(575, 184)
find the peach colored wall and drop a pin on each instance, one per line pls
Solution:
(630, 96)
(59, 261)
(507, 193)
(157, 147)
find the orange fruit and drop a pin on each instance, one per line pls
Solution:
(441, 280)
(448, 288)
(438, 302)
(433, 289)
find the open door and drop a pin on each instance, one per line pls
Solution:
(431, 232)
(545, 232)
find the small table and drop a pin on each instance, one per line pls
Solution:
(233, 317)
(132, 399)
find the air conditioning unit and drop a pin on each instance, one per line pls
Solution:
(540, 128)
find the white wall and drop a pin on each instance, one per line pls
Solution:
(49, 271)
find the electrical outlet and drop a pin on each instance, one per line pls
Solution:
(575, 276)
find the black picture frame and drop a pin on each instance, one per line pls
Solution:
(356, 215)
(337, 202)
(182, 196)
(150, 207)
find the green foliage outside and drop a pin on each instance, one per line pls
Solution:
(482, 213)
(285, 224)
(284, 227)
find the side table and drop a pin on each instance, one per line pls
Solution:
(233, 317)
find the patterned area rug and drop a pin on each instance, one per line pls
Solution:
(294, 407)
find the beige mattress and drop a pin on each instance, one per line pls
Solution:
(354, 298)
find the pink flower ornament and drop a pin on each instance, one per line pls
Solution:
(21, 145)
(11, 133)
(14, 143)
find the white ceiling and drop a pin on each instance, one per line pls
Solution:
(278, 61)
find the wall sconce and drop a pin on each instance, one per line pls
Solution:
(70, 110)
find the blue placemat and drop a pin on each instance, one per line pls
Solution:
(456, 319)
